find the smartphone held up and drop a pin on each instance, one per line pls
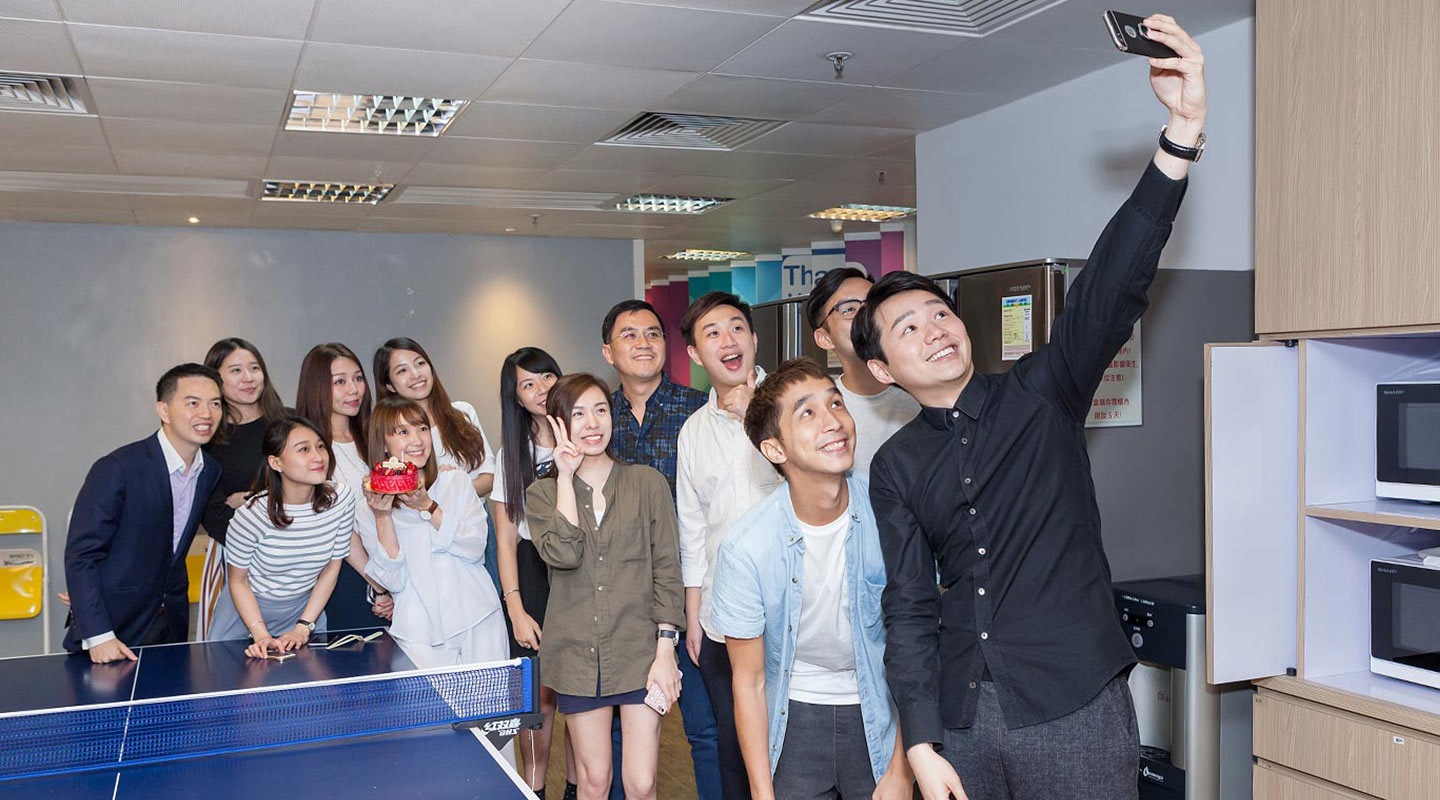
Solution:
(1130, 35)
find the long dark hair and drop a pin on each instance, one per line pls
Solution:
(271, 407)
(268, 481)
(314, 400)
(517, 427)
(389, 414)
(566, 393)
(461, 437)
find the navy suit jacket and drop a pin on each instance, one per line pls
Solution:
(120, 565)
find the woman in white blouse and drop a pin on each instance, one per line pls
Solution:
(427, 547)
(285, 545)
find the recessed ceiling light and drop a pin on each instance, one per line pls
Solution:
(509, 230)
(193, 220)
(323, 192)
(670, 204)
(861, 212)
(692, 254)
(395, 115)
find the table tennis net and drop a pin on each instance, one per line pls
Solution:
(144, 732)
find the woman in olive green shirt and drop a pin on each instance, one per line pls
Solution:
(607, 530)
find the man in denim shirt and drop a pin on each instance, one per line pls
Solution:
(797, 596)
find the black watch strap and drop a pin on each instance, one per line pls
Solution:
(1180, 150)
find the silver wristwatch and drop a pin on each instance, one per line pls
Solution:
(673, 636)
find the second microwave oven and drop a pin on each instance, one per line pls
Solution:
(1407, 441)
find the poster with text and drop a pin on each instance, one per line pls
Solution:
(1117, 403)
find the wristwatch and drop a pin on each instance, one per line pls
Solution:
(427, 513)
(309, 626)
(673, 636)
(1180, 150)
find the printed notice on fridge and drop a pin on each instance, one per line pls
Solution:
(1117, 401)
(1016, 339)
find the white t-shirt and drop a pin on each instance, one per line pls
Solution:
(351, 470)
(542, 455)
(824, 668)
(284, 562)
(877, 417)
(444, 458)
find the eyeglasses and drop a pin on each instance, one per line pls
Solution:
(847, 309)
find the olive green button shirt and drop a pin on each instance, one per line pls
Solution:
(609, 586)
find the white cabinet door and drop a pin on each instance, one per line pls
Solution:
(1252, 506)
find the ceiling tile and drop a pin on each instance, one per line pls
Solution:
(823, 195)
(426, 174)
(280, 19)
(833, 140)
(643, 159)
(717, 187)
(18, 127)
(292, 168)
(29, 46)
(775, 8)
(907, 108)
(577, 180)
(116, 97)
(652, 36)
(861, 172)
(584, 229)
(188, 137)
(564, 83)
(189, 165)
(98, 200)
(100, 216)
(756, 97)
(29, 9)
(495, 27)
(745, 164)
(55, 158)
(376, 147)
(905, 151)
(383, 70)
(797, 50)
(546, 123)
(189, 57)
(292, 222)
(995, 65)
(502, 152)
(176, 211)
(298, 209)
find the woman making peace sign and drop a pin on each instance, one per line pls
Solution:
(607, 530)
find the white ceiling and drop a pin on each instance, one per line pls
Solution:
(198, 89)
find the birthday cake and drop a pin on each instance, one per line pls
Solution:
(393, 476)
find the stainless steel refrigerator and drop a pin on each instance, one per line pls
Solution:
(1009, 309)
(784, 334)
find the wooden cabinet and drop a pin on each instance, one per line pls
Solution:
(1347, 165)
(1274, 783)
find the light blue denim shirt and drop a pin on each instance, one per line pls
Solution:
(759, 587)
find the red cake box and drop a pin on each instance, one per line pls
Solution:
(393, 476)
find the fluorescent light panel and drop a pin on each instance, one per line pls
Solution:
(387, 114)
(123, 184)
(693, 254)
(325, 192)
(861, 212)
(670, 204)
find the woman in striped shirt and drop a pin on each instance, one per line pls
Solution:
(286, 544)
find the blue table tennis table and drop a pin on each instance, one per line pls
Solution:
(431, 759)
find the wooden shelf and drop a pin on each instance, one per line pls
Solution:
(1399, 513)
(1367, 694)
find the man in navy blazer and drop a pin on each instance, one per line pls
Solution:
(133, 523)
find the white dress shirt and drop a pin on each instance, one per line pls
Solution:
(719, 476)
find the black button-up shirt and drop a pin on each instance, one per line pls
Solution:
(996, 494)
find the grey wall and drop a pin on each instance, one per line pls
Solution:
(91, 315)
(1150, 479)
(1040, 177)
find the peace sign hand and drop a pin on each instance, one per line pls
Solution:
(567, 456)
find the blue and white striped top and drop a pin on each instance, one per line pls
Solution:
(284, 562)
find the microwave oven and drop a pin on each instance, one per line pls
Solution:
(1405, 619)
(1407, 441)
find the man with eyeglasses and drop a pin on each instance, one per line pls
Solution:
(878, 410)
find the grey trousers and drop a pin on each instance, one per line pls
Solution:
(824, 755)
(1092, 753)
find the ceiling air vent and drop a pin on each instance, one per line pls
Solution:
(690, 131)
(974, 18)
(45, 93)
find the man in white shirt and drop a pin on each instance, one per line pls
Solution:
(878, 409)
(719, 476)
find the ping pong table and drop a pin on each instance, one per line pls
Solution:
(202, 720)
